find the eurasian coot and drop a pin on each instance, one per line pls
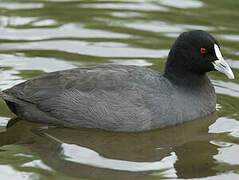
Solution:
(126, 98)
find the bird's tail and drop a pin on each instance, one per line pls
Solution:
(8, 97)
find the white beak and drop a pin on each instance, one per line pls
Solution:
(221, 65)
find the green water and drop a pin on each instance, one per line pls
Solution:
(39, 36)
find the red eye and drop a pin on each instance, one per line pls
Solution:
(203, 50)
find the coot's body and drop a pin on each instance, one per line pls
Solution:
(123, 98)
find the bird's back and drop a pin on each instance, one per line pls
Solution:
(110, 97)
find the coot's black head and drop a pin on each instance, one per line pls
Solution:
(195, 53)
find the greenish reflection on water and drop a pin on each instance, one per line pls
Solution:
(38, 36)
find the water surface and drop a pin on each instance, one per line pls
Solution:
(39, 36)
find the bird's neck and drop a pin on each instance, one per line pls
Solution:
(187, 79)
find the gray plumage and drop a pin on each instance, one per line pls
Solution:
(118, 97)
(110, 97)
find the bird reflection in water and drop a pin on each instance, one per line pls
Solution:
(182, 151)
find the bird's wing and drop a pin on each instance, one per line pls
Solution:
(111, 95)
